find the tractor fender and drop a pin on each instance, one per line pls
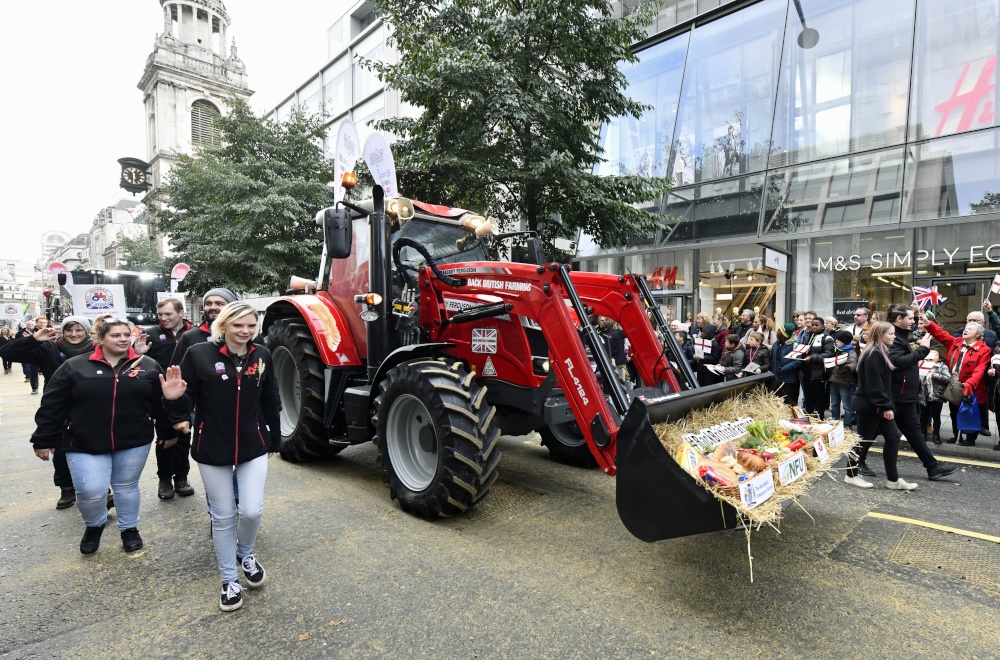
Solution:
(326, 324)
(406, 354)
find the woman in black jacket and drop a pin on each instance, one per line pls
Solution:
(229, 382)
(47, 353)
(874, 407)
(5, 338)
(99, 408)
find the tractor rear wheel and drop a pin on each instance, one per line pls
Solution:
(567, 445)
(435, 436)
(298, 371)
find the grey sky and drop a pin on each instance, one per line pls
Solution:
(71, 108)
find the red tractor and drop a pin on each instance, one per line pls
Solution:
(413, 338)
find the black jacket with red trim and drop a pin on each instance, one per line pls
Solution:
(162, 343)
(92, 407)
(193, 337)
(236, 412)
(46, 355)
(906, 376)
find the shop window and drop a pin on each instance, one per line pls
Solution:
(847, 93)
(954, 67)
(724, 118)
(714, 210)
(641, 146)
(836, 194)
(953, 176)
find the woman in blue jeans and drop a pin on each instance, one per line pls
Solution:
(99, 409)
(229, 382)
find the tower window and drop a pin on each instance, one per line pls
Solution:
(204, 132)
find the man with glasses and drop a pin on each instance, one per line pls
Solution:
(862, 315)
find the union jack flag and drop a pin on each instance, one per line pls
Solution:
(927, 296)
(484, 340)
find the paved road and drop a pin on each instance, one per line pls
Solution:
(542, 569)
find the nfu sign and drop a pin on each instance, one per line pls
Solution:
(905, 259)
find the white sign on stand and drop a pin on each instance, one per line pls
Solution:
(757, 490)
(821, 452)
(836, 435)
(791, 468)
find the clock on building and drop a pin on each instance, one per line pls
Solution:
(134, 176)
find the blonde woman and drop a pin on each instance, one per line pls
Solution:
(875, 408)
(229, 382)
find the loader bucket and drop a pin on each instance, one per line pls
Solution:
(656, 498)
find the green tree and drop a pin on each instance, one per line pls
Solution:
(241, 214)
(513, 95)
(139, 253)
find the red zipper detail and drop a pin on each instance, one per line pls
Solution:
(903, 388)
(261, 435)
(236, 456)
(200, 427)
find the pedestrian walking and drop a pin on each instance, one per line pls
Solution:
(100, 409)
(969, 357)
(46, 351)
(159, 343)
(905, 385)
(229, 383)
(5, 338)
(29, 369)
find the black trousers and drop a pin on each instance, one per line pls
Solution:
(61, 477)
(173, 462)
(908, 422)
(870, 426)
(790, 392)
(817, 398)
(931, 414)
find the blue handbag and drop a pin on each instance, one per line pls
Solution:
(968, 417)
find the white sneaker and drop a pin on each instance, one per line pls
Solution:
(858, 481)
(900, 485)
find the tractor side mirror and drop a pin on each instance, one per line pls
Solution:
(536, 252)
(61, 278)
(337, 232)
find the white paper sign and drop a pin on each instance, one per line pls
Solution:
(346, 156)
(380, 162)
(792, 468)
(820, 450)
(702, 346)
(799, 351)
(836, 435)
(12, 311)
(757, 490)
(925, 368)
(91, 301)
(834, 361)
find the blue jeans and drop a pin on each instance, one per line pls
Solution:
(93, 473)
(841, 394)
(234, 527)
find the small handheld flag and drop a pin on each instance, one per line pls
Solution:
(927, 296)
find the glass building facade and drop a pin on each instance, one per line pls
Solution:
(868, 160)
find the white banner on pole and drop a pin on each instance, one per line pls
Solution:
(381, 164)
(94, 300)
(160, 295)
(12, 311)
(345, 156)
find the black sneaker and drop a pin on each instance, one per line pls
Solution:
(232, 597)
(91, 540)
(865, 470)
(254, 573)
(940, 471)
(67, 498)
(985, 432)
(131, 540)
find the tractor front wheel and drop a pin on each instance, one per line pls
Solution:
(298, 371)
(435, 437)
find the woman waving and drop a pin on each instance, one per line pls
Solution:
(230, 385)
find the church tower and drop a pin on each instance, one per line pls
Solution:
(189, 78)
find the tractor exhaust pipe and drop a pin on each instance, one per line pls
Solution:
(379, 281)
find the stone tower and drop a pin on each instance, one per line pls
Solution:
(189, 78)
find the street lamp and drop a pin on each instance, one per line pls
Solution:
(809, 37)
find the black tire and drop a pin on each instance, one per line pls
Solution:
(567, 445)
(437, 444)
(299, 373)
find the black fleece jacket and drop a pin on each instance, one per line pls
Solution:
(873, 396)
(236, 411)
(194, 336)
(906, 377)
(162, 342)
(46, 355)
(92, 407)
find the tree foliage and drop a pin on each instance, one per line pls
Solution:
(139, 253)
(241, 214)
(513, 95)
